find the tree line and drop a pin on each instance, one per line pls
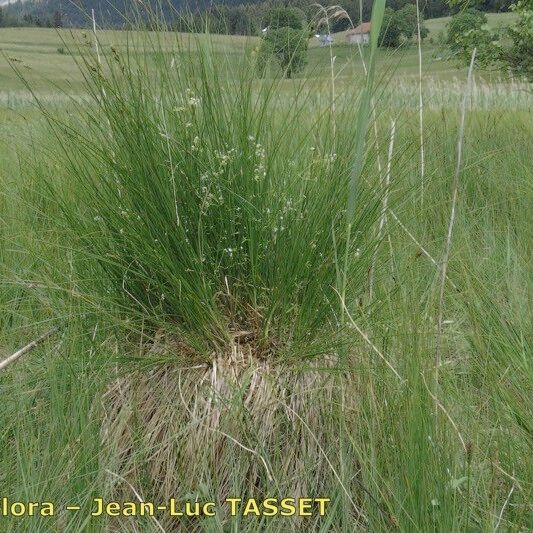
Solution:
(11, 20)
(224, 16)
(251, 17)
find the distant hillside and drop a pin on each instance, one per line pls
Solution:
(108, 13)
(224, 16)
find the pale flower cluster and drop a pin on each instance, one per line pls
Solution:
(260, 168)
(192, 99)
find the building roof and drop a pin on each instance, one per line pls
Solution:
(362, 28)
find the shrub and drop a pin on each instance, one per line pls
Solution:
(402, 22)
(519, 55)
(407, 20)
(288, 47)
(466, 32)
(390, 30)
(462, 23)
(285, 17)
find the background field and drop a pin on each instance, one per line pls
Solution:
(468, 469)
(44, 54)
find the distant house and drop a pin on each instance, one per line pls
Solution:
(359, 35)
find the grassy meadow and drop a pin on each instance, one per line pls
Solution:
(263, 288)
(43, 53)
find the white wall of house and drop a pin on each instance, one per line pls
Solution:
(358, 38)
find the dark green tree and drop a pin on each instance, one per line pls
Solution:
(287, 46)
(407, 20)
(466, 32)
(519, 55)
(462, 23)
(286, 17)
(391, 31)
(511, 50)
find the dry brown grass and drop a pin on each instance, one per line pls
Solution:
(169, 427)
